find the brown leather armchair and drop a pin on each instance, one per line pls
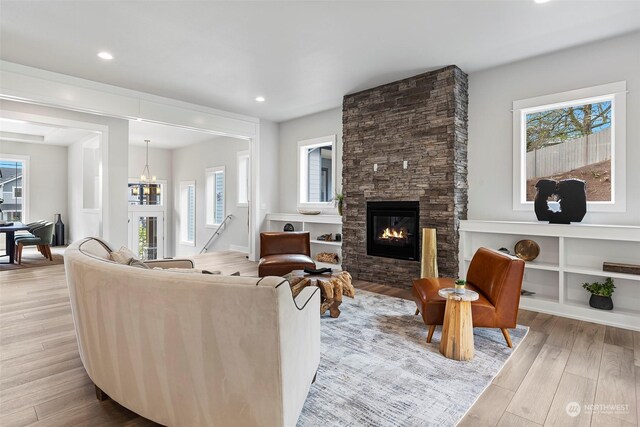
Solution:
(497, 277)
(283, 252)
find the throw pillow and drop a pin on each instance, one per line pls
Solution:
(137, 263)
(122, 255)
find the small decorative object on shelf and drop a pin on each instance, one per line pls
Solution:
(460, 286)
(601, 294)
(504, 251)
(326, 237)
(572, 196)
(328, 257)
(527, 293)
(621, 268)
(338, 237)
(289, 227)
(339, 201)
(527, 250)
(308, 212)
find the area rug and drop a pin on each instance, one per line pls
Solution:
(376, 368)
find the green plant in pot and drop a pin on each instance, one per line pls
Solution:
(460, 286)
(339, 200)
(601, 294)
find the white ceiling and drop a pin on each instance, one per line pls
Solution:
(164, 136)
(53, 135)
(301, 56)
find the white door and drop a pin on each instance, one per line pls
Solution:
(146, 234)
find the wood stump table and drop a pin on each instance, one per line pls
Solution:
(332, 288)
(457, 332)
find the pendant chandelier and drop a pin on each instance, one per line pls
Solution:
(145, 176)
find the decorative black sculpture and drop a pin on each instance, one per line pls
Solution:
(288, 227)
(572, 197)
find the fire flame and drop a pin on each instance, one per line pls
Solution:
(392, 234)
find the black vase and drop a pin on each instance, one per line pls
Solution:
(600, 302)
(59, 232)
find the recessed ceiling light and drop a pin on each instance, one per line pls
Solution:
(541, 1)
(260, 99)
(105, 55)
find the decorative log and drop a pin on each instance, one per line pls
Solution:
(621, 268)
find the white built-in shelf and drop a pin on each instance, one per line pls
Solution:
(601, 273)
(535, 265)
(325, 242)
(312, 219)
(317, 225)
(570, 254)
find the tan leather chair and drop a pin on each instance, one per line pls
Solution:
(497, 277)
(283, 252)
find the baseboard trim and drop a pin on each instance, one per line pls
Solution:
(237, 248)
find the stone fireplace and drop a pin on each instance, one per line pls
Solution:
(405, 143)
(392, 229)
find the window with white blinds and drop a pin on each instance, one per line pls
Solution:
(215, 196)
(188, 213)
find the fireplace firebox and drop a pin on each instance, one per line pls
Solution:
(392, 229)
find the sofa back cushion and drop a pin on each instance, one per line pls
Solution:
(279, 243)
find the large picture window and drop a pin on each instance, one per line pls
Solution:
(13, 188)
(316, 172)
(215, 196)
(577, 134)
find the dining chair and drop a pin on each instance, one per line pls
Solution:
(41, 238)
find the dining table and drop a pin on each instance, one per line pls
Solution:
(10, 231)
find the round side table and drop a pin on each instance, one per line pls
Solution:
(457, 332)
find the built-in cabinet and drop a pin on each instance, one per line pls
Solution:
(316, 225)
(570, 255)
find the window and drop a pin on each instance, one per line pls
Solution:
(215, 196)
(577, 134)
(13, 188)
(145, 194)
(188, 213)
(316, 172)
(243, 178)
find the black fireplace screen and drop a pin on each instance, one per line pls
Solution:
(392, 229)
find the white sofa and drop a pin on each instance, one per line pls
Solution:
(185, 349)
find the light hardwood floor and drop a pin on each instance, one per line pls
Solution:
(43, 383)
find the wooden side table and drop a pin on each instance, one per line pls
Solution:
(457, 332)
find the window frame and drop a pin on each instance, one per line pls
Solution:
(184, 206)
(303, 189)
(243, 156)
(25, 181)
(617, 94)
(210, 205)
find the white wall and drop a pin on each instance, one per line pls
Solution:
(189, 164)
(114, 162)
(47, 178)
(291, 132)
(491, 93)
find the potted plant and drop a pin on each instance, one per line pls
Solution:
(601, 294)
(339, 199)
(460, 285)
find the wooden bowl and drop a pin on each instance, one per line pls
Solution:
(527, 250)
